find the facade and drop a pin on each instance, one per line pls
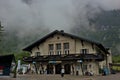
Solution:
(62, 50)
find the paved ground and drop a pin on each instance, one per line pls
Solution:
(66, 77)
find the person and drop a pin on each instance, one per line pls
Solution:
(91, 73)
(45, 71)
(24, 70)
(62, 72)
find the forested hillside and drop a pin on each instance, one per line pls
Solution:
(12, 43)
(108, 25)
(104, 28)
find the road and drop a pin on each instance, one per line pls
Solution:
(66, 77)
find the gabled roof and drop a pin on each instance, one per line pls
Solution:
(36, 43)
(6, 59)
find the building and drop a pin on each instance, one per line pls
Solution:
(6, 64)
(75, 54)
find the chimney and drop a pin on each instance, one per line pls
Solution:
(62, 31)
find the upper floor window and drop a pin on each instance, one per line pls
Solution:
(66, 45)
(66, 48)
(84, 51)
(51, 49)
(37, 54)
(58, 48)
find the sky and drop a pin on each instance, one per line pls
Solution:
(28, 16)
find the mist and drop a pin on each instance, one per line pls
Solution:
(27, 17)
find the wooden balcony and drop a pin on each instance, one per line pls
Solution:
(63, 57)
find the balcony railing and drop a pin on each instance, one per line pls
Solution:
(64, 57)
(58, 52)
(51, 52)
(66, 51)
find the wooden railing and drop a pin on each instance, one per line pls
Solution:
(65, 57)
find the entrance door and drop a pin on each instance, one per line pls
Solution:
(67, 68)
(49, 69)
(57, 68)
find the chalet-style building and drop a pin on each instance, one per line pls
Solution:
(75, 54)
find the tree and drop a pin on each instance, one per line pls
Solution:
(1, 30)
(20, 55)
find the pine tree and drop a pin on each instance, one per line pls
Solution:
(1, 30)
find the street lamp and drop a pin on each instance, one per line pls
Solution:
(80, 61)
(35, 67)
(34, 62)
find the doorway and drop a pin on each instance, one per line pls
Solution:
(57, 68)
(49, 69)
(67, 68)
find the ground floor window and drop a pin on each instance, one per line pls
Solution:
(58, 68)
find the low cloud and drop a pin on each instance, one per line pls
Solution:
(31, 16)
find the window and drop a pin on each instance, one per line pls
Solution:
(37, 54)
(58, 48)
(66, 45)
(58, 37)
(85, 67)
(84, 51)
(51, 49)
(66, 48)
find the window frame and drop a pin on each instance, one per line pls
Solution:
(84, 51)
(37, 53)
(51, 50)
(58, 48)
(66, 48)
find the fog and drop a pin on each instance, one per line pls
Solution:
(32, 16)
